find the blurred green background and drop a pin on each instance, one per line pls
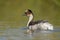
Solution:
(11, 11)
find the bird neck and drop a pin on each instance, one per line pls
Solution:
(30, 19)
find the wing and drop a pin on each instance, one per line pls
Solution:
(36, 22)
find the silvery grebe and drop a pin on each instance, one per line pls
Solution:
(34, 25)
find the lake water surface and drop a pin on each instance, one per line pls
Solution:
(19, 34)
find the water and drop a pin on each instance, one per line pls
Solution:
(19, 34)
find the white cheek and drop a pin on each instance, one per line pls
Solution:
(28, 15)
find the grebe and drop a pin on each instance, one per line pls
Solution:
(34, 25)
